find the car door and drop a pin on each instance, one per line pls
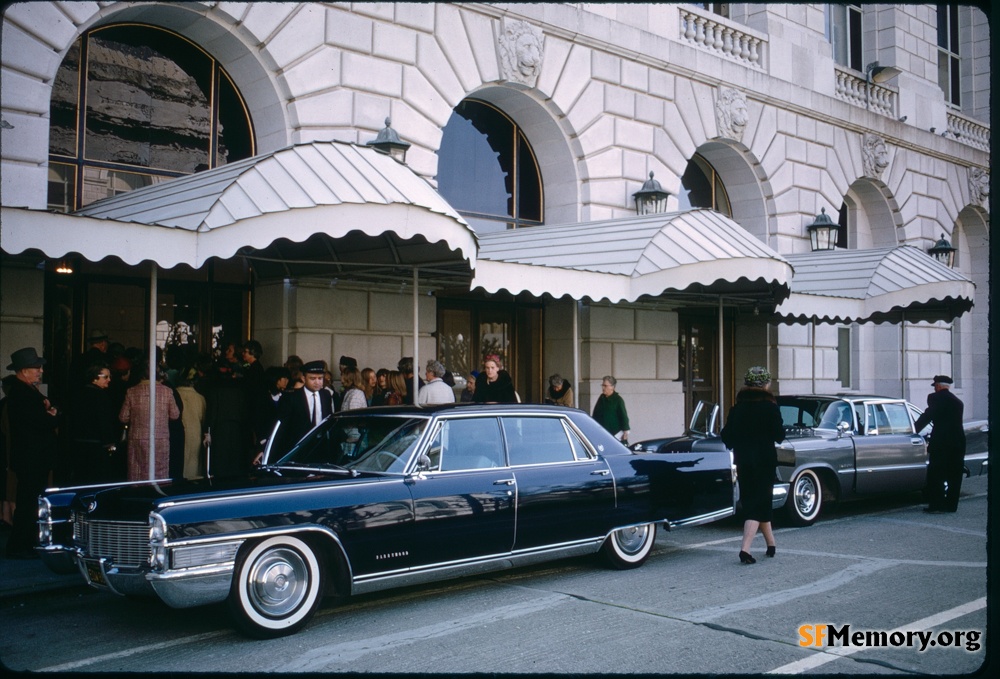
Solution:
(463, 503)
(564, 492)
(889, 455)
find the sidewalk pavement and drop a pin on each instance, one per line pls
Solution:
(29, 576)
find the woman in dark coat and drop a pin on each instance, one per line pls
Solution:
(494, 384)
(95, 427)
(752, 429)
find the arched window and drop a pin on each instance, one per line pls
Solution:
(487, 170)
(134, 105)
(701, 186)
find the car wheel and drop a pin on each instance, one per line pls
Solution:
(629, 547)
(277, 587)
(805, 499)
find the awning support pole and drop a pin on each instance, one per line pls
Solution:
(416, 336)
(576, 350)
(722, 369)
(152, 370)
(814, 354)
(902, 354)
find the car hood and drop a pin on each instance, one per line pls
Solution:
(134, 501)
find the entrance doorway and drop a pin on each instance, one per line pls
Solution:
(698, 358)
(468, 331)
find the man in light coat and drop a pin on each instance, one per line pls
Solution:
(436, 390)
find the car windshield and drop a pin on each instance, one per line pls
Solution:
(375, 443)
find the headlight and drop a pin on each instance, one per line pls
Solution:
(157, 542)
(44, 521)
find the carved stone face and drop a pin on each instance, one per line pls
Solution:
(528, 54)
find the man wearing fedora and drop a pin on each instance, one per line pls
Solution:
(32, 426)
(946, 447)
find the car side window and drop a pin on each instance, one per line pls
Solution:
(467, 443)
(538, 440)
(899, 420)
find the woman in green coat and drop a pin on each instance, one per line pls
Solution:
(610, 411)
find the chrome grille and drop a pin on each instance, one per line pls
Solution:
(123, 543)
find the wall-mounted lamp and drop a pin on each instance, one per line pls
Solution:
(943, 252)
(64, 267)
(651, 199)
(823, 232)
(877, 74)
(388, 142)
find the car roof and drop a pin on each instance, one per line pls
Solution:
(443, 408)
(841, 397)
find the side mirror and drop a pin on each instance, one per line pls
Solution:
(423, 463)
(843, 428)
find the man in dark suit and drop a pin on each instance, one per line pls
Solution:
(302, 409)
(946, 447)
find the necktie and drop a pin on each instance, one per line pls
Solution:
(316, 411)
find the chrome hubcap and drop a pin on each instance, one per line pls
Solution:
(631, 540)
(278, 582)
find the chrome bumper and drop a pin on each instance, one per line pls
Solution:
(779, 495)
(180, 588)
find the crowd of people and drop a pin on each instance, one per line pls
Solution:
(212, 414)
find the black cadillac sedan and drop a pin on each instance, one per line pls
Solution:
(378, 498)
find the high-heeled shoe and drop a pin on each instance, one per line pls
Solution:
(770, 551)
(745, 558)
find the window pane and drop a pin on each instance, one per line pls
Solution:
(148, 100)
(475, 164)
(696, 190)
(472, 443)
(536, 440)
(487, 169)
(101, 183)
(899, 419)
(62, 187)
(235, 136)
(529, 185)
(63, 108)
(857, 55)
(455, 340)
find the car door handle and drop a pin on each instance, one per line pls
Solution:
(917, 441)
(504, 482)
(600, 472)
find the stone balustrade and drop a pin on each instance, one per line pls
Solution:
(969, 131)
(715, 33)
(855, 89)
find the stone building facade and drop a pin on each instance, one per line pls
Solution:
(781, 124)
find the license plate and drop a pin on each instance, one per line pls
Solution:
(95, 573)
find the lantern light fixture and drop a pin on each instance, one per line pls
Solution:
(823, 232)
(943, 252)
(388, 142)
(651, 198)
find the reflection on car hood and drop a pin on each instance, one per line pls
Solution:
(133, 501)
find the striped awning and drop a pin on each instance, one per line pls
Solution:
(694, 252)
(314, 209)
(878, 285)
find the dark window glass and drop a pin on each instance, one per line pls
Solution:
(487, 170)
(949, 63)
(155, 106)
(842, 230)
(701, 186)
(855, 32)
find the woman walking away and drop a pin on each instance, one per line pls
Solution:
(752, 429)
